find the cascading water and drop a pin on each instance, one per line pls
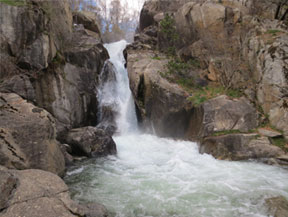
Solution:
(158, 177)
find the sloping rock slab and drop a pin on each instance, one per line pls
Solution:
(27, 136)
(43, 194)
(90, 141)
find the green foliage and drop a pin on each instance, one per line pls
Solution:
(280, 142)
(273, 31)
(155, 58)
(200, 95)
(14, 2)
(186, 83)
(58, 59)
(167, 27)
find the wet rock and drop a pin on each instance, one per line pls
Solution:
(239, 147)
(160, 103)
(277, 206)
(90, 141)
(28, 136)
(106, 89)
(40, 193)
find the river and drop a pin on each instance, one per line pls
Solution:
(159, 177)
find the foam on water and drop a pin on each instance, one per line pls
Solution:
(152, 176)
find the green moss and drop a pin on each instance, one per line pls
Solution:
(273, 31)
(280, 142)
(200, 95)
(14, 2)
(186, 83)
(155, 58)
(234, 93)
(225, 132)
(58, 59)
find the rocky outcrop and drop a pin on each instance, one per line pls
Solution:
(90, 141)
(50, 63)
(240, 147)
(39, 193)
(68, 88)
(36, 30)
(277, 206)
(87, 19)
(106, 88)
(267, 48)
(222, 114)
(160, 103)
(28, 136)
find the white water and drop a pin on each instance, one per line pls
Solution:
(158, 177)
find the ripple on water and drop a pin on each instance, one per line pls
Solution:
(158, 177)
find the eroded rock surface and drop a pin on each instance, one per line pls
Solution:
(38, 193)
(28, 136)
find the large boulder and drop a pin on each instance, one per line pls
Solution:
(88, 19)
(239, 147)
(91, 142)
(28, 136)
(222, 114)
(36, 193)
(160, 104)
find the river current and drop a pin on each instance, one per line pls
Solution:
(159, 177)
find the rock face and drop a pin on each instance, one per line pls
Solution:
(160, 103)
(28, 136)
(266, 51)
(91, 141)
(49, 62)
(240, 147)
(223, 114)
(30, 37)
(39, 193)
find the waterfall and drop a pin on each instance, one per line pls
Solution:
(152, 176)
(115, 93)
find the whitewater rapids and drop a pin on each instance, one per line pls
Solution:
(158, 177)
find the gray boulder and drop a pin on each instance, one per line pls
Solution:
(239, 147)
(222, 114)
(91, 142)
